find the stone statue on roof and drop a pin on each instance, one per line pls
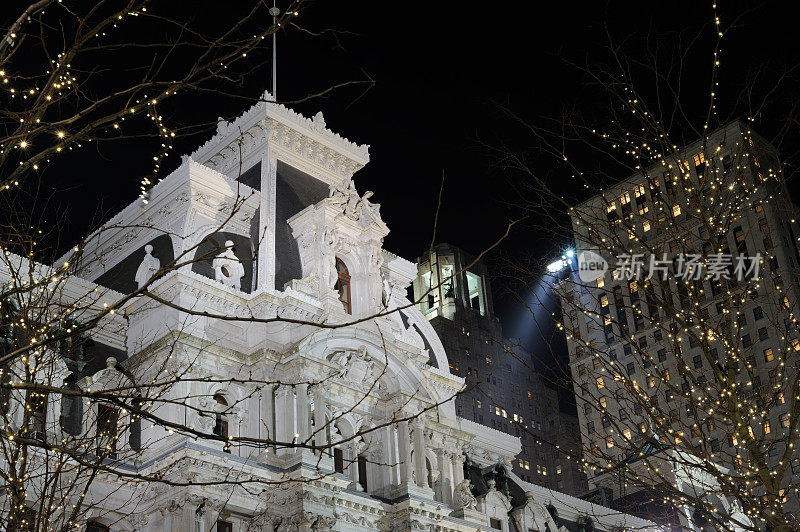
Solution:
(148, 268)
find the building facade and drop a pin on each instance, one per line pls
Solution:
(503, 389)
(302, 390)
(622, 333)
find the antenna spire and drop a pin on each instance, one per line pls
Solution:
(274, 11)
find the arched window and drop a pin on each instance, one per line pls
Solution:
(343, 285)
(221, 425)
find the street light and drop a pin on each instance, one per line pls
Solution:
(563, 263)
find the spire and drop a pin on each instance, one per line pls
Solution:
(274, 11)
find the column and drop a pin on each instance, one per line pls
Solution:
(457, 459)
(266, 222)
(404, 451)
(392, 457)
(302, 412)
(419, 453)
(354, 465)
(445, 476)
(266, 426)
(284, 416)
(320, 405)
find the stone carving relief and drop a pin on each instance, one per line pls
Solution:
(463, 497)
(356, 367)
(355, 207)
(228, 269)
(148, 268)
(318, 122)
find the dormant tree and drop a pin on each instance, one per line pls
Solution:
(684, 355)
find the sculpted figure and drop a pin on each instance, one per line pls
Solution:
(149, 266)
(463, 496)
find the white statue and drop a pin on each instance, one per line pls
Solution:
(228, 268)
(463, 497)
(327, 265)
(148, 268)
(366, 209)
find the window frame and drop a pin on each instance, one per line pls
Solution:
(344, 285)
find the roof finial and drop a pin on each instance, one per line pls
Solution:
(274, 11)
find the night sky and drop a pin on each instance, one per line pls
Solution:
(442, 70)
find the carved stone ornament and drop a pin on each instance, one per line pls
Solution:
(148, 268)
(463, 497)
(356, 367)
(228, 269)
(354, 207)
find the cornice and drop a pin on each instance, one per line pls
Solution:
(271, 120)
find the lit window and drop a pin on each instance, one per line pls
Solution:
(478, 403)
(609, 442)
(505, 414)
(638, 191)
(651, 381)
(781, 398)
(488, 360)
(796, 344)
(604, 301)
(544, 471)
(666, 374)
(768, 356)
(645, 226)
(475, 293)
(625, 198)
(603, 402)
(785, 420)
(699, 159)
(767, 427)
(643, 428)
(611, 206)
(497, 410)
(627, 434)
(676, 210)
(527, 465)
(558, 469)
(643, 209)
(600, 283)
(600, 383)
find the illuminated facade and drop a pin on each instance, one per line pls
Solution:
(659, 358)
(266, 222)
(501, 391)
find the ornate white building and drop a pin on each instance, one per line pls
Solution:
(278, 418)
